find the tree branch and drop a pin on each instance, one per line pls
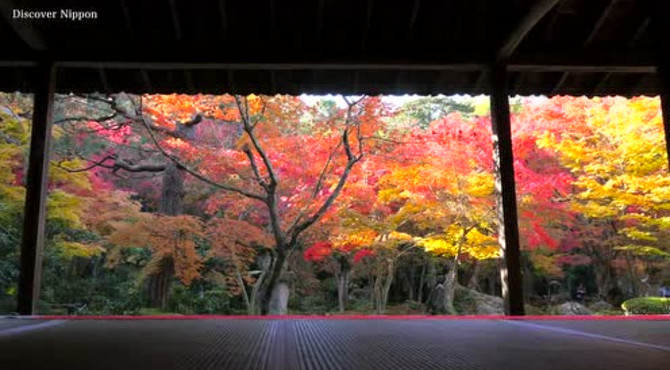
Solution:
(249, 129)
(260, 116)
(195, 173)
(351, 161)
(92, 166)
(130, 167)
(254, 167)
(81, 118)
(118, 164)
(322, 175)
(271, 187)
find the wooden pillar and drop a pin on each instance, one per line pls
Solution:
(508, 230)
(34, 215)
(665, 107)
(659, 30)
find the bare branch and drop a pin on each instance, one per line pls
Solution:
(118, 164)
(249, 129)
(165, 130)
(254, 167)
(147, 167)
(92, 166)
(81, 118)
(322, 175)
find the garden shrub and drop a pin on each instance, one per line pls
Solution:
(647, 306)
(188, 300)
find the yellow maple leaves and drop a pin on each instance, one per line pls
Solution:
(615, 148)
(460, 241)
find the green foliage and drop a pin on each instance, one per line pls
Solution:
(647, 306)
(464, 302)
(201, 299)
(422, 111)
(314, 304)
(129, 305)
(534, 311)
(608, 313)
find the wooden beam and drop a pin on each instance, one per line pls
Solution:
(231, 80)
(599, 23)
(18, 63)
(582, 68)
(368, 21)
(413, 16)
(272, 66)
(32, 240)
(127, 20)
(665, 108)
(400, 82)
(273, 82)
(175, 19)
(549, 30)
(319, 19)
(508, 230)
(560, 83)
(104, 80)
(190, 57)
(356, 82)
(23, 28)
(223, 14)
(527, 65)
(639, 32)
(483, 80)
(146, 80)
(599, 89)
(659, 27)
(23, 82)
(519, 80)
(188, 76)
(635, 86)
(273, 20)
(537, 11)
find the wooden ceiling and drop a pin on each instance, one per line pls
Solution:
(580, 47)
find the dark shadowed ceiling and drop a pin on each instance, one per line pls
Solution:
(581, 47)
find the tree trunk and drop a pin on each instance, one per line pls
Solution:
(159, 285)
(172, 192)
(492, 282)
(264, 261)
(271, 296)
(431, 276)
(422, 277)
(245, 293)
(171, 204)
(473, 283)
(528, 276)
(450, 286)
(278, 304)
(343, 283)
(634, 289)
(411, 278)
(377, 290)
(606, 281)
(387, 284)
